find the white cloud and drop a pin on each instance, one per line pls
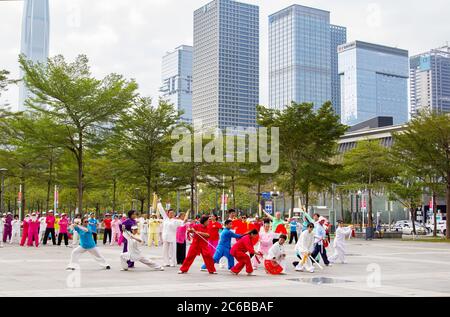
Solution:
(130, 37)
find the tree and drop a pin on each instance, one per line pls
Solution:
(308, 141)
(425, 147)
(368, 166)
(407, 190)
(87, 107)
(143, 136)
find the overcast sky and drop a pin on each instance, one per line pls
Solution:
(131, 36)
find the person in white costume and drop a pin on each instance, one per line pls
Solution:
(277, 253)
(42, 226)
(169, 235)
(304, 249)
(15, 238)
(143, 228)
(134, 253)
(339, 242)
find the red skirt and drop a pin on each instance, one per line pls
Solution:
(273, 269)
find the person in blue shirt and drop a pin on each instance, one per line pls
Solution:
(87, 244)
(293, 234)
(93, 223)
(224, 246)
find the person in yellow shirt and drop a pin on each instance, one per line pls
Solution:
(57, 218)
(153, 230)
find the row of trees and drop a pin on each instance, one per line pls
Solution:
(100, 140)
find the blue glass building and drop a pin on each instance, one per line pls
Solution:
(226, 64)
(338, 37)
(35, 37)
(299, 56)
(374, 82)
(177, 80)
(430, 81)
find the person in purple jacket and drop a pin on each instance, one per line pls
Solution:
(130, 222)
(7, 233)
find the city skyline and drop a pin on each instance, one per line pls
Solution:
(114, 40)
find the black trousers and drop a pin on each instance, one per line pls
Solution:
(181, 252)
(94, 234)
(323, 253)
(66, 238)
(293, 235)
(107, 234)
(46, 234)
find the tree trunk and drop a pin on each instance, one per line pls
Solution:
(149, 191)
(341, 196)
(233, 190)
(49, 181)
(413, 219)
(192, 195)
(435, 213)
(370, 214)
(307, 200)
(80, 174)
(292, 192)
(114, 195)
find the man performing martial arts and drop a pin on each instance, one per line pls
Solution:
(170, 225)
(107, 232)
(198, 247)
(275, 263)
(63, 230)
(304, 249)
(7, 231)
(339, 242)
(128, 224)
(15, 230)
(33, 230)
(134, 253)
(320, 235)
(50, 229)
(224, 246)
(239, 251)
(87, 244)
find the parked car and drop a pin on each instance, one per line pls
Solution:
(399, 225)
(441, 227)
(420, 229)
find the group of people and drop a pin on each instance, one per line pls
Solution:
(241, 242)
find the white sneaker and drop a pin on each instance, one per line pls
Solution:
(300, 269)
(181, 272)
(124, 270)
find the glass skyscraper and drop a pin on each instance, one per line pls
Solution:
(338, 37)
(300, 56)
(177, 80)
(35, 37)
(226, 64)
(430, 81)
(374, 82)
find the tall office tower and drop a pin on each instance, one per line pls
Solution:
(338, 37)
(177, 80)
(430, 81)
(226, 64)
(299, 56)
(35, 37)
(374, 82)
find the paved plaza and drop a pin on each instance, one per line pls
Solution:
(375, 268)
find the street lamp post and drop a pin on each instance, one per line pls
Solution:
(2, 189)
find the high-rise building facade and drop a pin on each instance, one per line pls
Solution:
(299, 56)
(226, 64)
(177, 80)
(374, 82)
(430, 81)
(35, 37)
(338, 37)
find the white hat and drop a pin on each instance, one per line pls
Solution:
(134, 228)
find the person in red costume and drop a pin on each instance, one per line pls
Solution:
(33, 230)
(198, 247)
(63, 230)
(25, 225)
(213, 229)
(50, 230)
(239, 251)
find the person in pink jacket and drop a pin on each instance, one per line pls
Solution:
(115, 229)
(33, 230)
(266, 237)
(63, 230)
(25, 225)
